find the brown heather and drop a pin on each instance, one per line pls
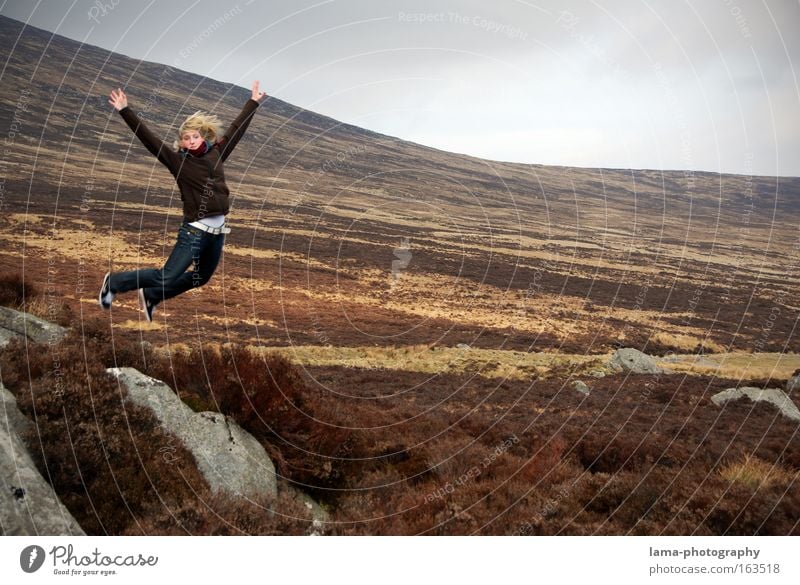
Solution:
(112, 465)
(399, 452)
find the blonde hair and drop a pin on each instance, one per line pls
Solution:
(208, 125)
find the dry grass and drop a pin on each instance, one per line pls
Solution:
(27, 297)
(141, 324)
(517, 365)
(736, 365)
(45, 308)
(84, 245)
(251, 320)
(755, 473)
(488, 363)
(687, 342)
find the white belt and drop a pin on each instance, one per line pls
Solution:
(210, 230)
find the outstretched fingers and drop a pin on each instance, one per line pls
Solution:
(257, 95)
(118, 99)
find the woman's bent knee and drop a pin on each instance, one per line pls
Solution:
(199, 280)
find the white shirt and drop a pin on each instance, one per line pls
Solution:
(212, 221)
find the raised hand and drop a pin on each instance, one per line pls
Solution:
(118, 99)
(258, 96)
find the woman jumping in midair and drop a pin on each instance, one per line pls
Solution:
(196, 163)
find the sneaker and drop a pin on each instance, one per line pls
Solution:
(148, 306)
(106, 297)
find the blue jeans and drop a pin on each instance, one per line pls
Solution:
(194, 248)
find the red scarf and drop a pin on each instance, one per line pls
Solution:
(200, 150)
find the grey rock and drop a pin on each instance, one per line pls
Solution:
(463, 346)
(230, 459)
(6, 336)
(318, 515)
(793, 384)
(317, 528)
(775, 396)
(28, 504)
(633, 361)
(581, 387)
(10, 416)
(26, 325)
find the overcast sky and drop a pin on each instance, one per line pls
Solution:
(703, 85)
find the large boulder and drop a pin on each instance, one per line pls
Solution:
(793, 383)
(28, 505)
(230, 459)
(6, 336)
(10, 416)
(18, 324)
(634, 361)
(774, 396)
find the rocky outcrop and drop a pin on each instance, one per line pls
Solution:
(581, 387)
(11, 418)
(774, 396)
(6, 336)
(15, 324)
(28, 505)
(793, 383)
(230, 459)
(633, 361)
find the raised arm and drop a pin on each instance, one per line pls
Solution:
(155, 145)
(237, 129)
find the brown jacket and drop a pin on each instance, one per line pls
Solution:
(201, 179)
